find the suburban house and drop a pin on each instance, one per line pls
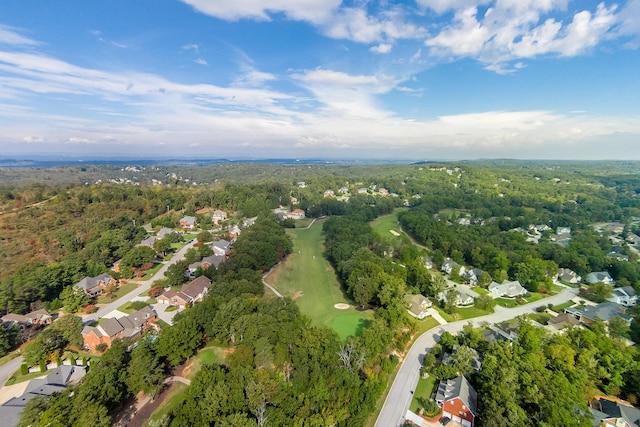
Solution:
(633, 239)
(473, 275)
(205, 263)
(328, 193)
(35, 318)
(164, 232)
(218, 216)
(604, 311)
(55, 382)
(294, 214)
(624, 296)
(343, 190)
(614, 412)
(94, 286)
(233, 232)
(131, 326)
(221, 247)
(599, 276)
(188, 222)
(562, 321)
(507, 289)
(417, 305)
(449, 266)
(569, 276)
(191, 292)
(458, 400)
(463, 297)
(562, 236)
(383, 191)
(149, 241)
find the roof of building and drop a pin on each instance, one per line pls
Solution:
(604, 311)
(164, 231)
(507, 288)
(221, 244)
(91, 282)
(604, 408)
(193, 289)
(458, 388)
(563, 320)
(214, 260)
(598, 276)
(415, 303)
(188, 219)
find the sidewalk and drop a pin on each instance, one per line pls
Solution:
(434, 313)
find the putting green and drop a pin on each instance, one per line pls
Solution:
(310, 278)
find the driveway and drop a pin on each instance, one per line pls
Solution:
(397, 402)
(165, 316)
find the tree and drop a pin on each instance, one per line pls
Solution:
(451, 297)
(485, 302)
(138, 256)
(601, 291)
(145, 372)
(618, 328)
(162, 246)
(73, 299)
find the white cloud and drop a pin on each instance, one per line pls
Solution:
(629, 17)
(201, 61)
(9, 36)
(517, 29)
(382, 48)
(314, 11)
(192, 46)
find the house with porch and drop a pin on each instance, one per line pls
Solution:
(507, 289)
(131, 326)
(605, 311)
(417, 305)
(600, 276)
(624, 296)
(458, 400)
(188, 222)
(94, 286)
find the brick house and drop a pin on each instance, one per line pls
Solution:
(131, 326)
(93, 286)
(458, 400)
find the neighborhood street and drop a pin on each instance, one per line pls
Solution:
(144, 287)
(399, 398)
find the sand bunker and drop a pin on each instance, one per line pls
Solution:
(395, 233)
(297, 295)
(342, 306)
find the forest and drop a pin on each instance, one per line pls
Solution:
(283, 371)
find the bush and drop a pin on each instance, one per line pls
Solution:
(90, 308)
(58, 361)
(137, 305)
(101, 347)
(155, 291)
(84, 360)
(43, 366)
(72, 360)
(24, 369)
(431, 408)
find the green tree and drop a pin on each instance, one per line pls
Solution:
(73, 299)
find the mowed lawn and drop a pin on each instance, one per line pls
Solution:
(386, 225)
(308, 278)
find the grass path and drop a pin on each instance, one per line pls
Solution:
(308, 278)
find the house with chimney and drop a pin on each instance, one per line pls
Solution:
(131, 326)
(94, 286)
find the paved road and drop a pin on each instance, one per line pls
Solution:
(145, 286)
(9, 368)
(400, 394)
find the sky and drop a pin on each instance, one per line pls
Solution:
(333, 79)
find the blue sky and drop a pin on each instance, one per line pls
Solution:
(422, 79)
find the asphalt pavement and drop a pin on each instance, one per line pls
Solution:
(401, 392)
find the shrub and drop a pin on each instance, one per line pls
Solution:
(431, 408)
(155, 291)
(90, 308)
(84, 360)
(43, 366)
(137, 305)
(24, 369)
(58, 361)
(72, 360)
(101, 347)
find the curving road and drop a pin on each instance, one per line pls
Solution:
(401, 392)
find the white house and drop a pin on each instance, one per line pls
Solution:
(624, 296)
(600, 276)
(507, 289)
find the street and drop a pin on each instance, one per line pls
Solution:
(399, 397)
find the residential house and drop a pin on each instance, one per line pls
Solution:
(55, 382)
(149, 241)
(362, 191)
(473, 275)
(417, 305)
(188, 222)
(35, 318)
(614, 412)
(599, 276)
(131, 326)
(507, 289)
(569, 276)
(293, 200)
(93, 286)
(633, 239)
(302, 184)
(562, 321)
(343, 190)
(449, 266)
(383, 192)
(164, 232)
(624, 296)
(214, 260)
(464, 221)
(604, 311)
(463, 297)
(171, 297)
(190, 293)
(458, 400)
(218, 216)
(329, 193)
(507, 329)
(116, 266)
(221, 247)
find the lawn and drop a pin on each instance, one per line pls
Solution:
(308, 278)
(560, 307)
(153, 270)
(481, 291)
(386, 225)
(208, 355)
(506, 302)
(425, 324)
(122, 290)
(424, 389)
(471, 312)
(541, 318)
(174, 398)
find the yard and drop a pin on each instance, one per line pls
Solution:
(561, 307)
(387, 226)
(423, 392)
(122, 290)
(308, 278)
(174, 398)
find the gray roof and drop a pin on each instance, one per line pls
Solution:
(598, 276)
(110, 327)
(164, 231)
(613, 409)
(91, 282)
(458, 388)
(508, 289)
(196, 287)
(149, 241)
(222, 244)
(604, 311)
(214, 260)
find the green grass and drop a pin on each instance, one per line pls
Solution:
(541, 318)
(506, 302)
(481, 291)
(446, 316)
(424, 389)
(560, 307)
(425, 324)
(207, 355)
(303, 223)
(383, 225)
(122, 290)
(153, 270)
(471, 312)
(173, 399)
(17, 377)
(308, 276)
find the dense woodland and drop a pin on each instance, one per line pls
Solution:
(283, 371)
